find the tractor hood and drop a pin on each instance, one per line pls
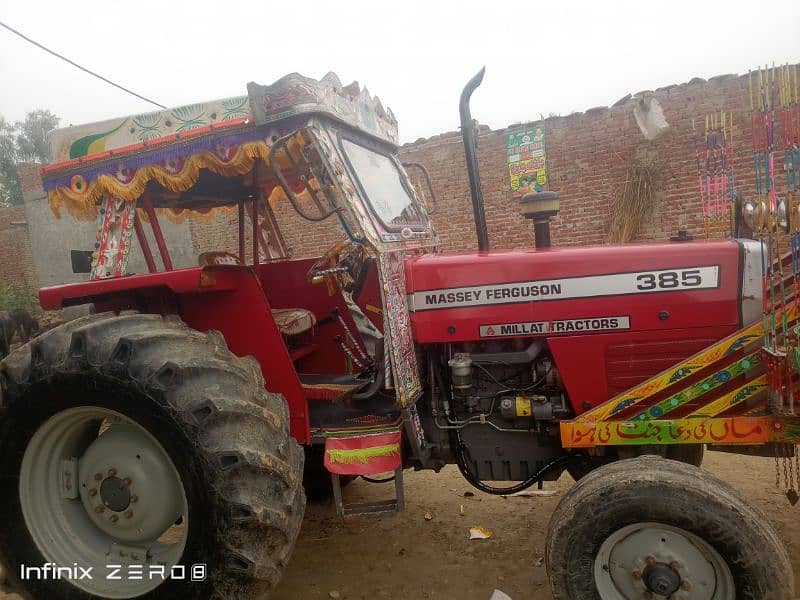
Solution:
(575, 291)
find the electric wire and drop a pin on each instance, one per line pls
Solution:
(76, 65)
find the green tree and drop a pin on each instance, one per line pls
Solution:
(23, 141)
(10, 192)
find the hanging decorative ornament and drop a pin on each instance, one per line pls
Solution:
(77, 184)
(714, 174)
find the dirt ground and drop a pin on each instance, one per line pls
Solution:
(407, 557)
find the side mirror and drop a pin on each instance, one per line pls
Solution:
(81, 261)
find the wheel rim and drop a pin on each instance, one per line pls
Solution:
(653, 560)
(96, 489)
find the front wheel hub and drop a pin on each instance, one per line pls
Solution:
(115, 494)
(661, 579)
(656, 560)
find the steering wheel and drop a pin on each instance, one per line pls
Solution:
(328, 263)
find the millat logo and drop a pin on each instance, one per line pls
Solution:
(555, 327)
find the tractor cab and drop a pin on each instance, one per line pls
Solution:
(286, 160)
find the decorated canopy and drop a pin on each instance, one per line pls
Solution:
(120, 157)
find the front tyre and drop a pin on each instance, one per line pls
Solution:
(136, 445)
(649, 527)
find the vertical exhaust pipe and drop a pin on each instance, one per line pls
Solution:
(471, 152)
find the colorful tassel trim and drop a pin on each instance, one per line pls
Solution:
(81, 197)
(362, 455)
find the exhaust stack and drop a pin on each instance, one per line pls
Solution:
(539, 207)
(471, 152)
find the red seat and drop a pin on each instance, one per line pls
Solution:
(294, 321)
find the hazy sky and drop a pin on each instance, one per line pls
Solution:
(541, 57)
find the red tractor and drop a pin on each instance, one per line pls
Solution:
(156, 447)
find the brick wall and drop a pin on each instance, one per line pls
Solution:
(219, 233)
(302, 237)
(587, 158)
(16, 258)
(30, 179)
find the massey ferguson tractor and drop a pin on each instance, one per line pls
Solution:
(163, 445)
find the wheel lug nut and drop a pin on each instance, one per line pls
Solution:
(127, 481)
(637, 575)
(128, 514)
(650, 560)
(99, 509)
(114, 518)
(648, 595)
(97, 476)
(112, 471)
(93, 492)
(674, 565)
(686, 586)
(134, 498)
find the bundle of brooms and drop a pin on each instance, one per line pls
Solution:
(634, 198)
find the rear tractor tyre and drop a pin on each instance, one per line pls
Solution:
(653, 528)
(135, 441)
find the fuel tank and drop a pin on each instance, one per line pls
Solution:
(612, 315)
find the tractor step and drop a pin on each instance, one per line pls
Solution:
(352, 511)
(365, 455)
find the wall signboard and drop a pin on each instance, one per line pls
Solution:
(527, 165)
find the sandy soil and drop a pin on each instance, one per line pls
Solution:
(407, 557)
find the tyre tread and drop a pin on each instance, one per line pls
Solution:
(216, 399)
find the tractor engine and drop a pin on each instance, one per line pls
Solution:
(505, 399)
